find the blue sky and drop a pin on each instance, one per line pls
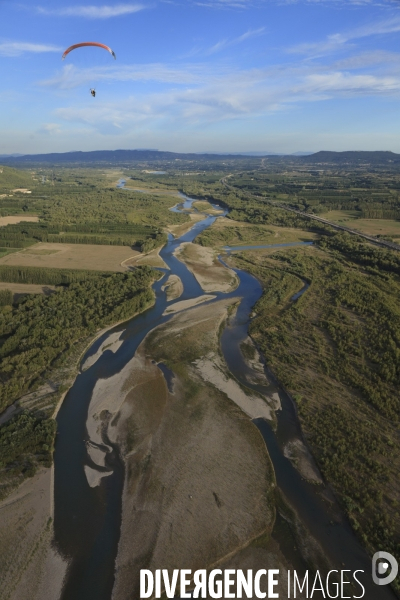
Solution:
(201, 75)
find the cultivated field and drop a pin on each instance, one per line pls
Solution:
(19, 289)
(370, 226)
(17, 219)
(71, 256)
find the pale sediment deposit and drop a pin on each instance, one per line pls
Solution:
(94, 476)
(299, 455)
(107, 400)
(113, 343)
(173, 287)
(198, 481)
(203, 262)
(30, 569)
(212, 369)
(185, 304)
(254, 361)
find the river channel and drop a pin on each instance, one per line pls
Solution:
(87, 520)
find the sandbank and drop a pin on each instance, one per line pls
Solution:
(28, 563)
(298, 454)
(113, 343)
(185, 304)
(173, 287)
(204, 264)
(213, 371)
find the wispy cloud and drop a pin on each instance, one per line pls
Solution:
(71, 77)
(189, 99)
(247, 4)
(94, 12)
(226, 43)
(366, 60)
(18, 48)
(337, 41)
(225, 3)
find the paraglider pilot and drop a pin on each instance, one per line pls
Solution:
(83, 44)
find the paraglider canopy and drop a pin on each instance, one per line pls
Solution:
(82, 44)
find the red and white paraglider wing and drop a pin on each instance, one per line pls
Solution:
(82, 44)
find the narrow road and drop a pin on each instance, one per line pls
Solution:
(370, 238)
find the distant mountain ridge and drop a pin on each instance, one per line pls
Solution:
(117, 156)
(353, 156)
(127, 156)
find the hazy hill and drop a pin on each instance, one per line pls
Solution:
(115, 156)
(12, 178)
(121, 157)
(353, 157)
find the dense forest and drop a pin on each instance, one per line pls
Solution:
(41, 329)
(26, 443)
(336, 350)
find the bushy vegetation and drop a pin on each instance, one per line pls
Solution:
(153, 242)
(40, 330)
(26, 442)
(235, 236)
(365, 255)
(15, 178)
(6, 298)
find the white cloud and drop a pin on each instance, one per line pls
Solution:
(94, 12)
(18, 48)
(50, 129)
